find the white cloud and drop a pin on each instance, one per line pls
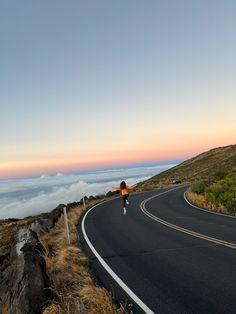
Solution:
(31, 196)
(44, 202)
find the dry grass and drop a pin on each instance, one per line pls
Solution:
(6, 232)
(74, 289)
(200, 201)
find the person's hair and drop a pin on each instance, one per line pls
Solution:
(122, 185)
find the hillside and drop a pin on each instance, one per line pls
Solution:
(201, 167)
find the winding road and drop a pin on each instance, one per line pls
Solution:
(163, 256)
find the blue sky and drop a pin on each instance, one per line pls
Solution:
(90, 83)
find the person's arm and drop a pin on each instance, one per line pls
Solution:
(116, 188)
(130, 187)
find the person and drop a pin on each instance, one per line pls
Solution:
(124, 189)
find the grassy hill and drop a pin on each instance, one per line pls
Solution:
(201, 167)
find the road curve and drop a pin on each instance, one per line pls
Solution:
(158, 268)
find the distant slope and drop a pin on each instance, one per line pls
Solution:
(201, 167)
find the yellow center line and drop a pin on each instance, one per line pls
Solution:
(190, 232)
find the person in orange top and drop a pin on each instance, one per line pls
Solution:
(124, 189)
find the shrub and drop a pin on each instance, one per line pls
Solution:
(219, 175)
(221, 194)
(213, 193)
(228, 199)
(198, 188)
(229, 180)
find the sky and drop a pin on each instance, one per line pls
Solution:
(89, 84)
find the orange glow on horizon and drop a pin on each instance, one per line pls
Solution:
(26, 168)
(38, 167)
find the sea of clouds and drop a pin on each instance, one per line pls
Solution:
(30, 196)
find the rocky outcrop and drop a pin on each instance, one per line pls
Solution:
(41, 225)
(24, 284)
(55, 214)
(112, 193)
(4, 260)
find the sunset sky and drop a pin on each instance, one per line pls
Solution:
(89, 84)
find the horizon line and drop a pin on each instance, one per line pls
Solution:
(96, 168)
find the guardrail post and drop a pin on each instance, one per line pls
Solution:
(84, 203)
(66, 225)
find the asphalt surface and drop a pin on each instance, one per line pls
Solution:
(168, 270)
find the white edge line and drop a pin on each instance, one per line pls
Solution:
(205, 210)
(110, 271)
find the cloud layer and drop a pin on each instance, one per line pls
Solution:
(23, 197)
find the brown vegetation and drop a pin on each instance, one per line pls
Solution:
(7, 230)
(218, 194)
(200, 200)
(74, 289)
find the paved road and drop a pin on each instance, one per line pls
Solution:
(167, 270)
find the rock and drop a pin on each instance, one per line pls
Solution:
(24, 285)
(74, 204)
(4, 261)
(41, 225)
(55, 214)
(85, 198)
(100, 196)
(92, 198)
(111, 193)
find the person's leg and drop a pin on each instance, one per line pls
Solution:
(127, 196)
(124, 201)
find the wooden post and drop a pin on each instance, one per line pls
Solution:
(66, 225)
(84, 203)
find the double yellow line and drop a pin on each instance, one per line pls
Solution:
(190, 232)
